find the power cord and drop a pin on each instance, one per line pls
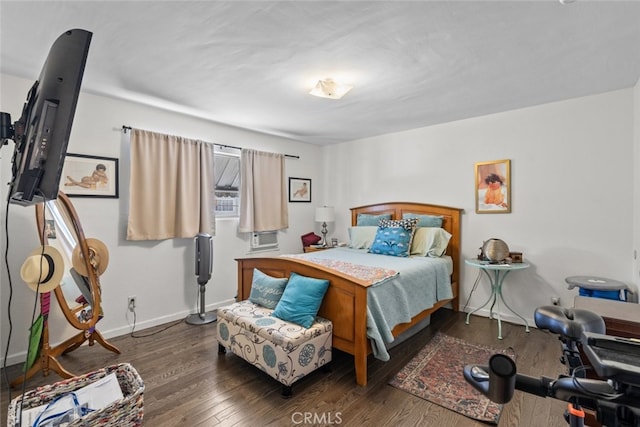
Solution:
(33, 318)
(473, 288)
(177, 322)
(579, 385)
(6, 263)
(35, 305)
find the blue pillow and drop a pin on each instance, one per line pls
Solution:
(394, 237)
(366, 219)
(301, 300)
(425, 220)
(266, 290)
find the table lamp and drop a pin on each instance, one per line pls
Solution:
(324, 215)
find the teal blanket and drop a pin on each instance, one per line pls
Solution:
(409, 286)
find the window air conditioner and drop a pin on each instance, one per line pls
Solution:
(264, 240)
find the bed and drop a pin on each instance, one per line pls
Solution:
(347, 298)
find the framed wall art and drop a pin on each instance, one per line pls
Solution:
(50, 228)
(493, 186)
(299, 190)
(89, 176)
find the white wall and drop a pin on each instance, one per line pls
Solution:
(572, 184)
(636, 185)
(159, 273)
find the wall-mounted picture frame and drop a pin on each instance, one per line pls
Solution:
(50, 228)
(493, 186)
(89, 176)
(299, 190)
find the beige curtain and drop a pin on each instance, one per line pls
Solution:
(172, 189)
(263, 196)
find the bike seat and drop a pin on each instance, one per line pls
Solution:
(568, 322)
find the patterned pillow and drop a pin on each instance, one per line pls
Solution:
(394, 237)
(266, 290)
(406, 223)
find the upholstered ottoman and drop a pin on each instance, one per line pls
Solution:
(282, 349)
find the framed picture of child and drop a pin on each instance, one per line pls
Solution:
(493, 186)
(89, 176)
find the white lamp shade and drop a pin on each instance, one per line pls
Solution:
(325, 214)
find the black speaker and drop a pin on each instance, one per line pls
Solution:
(204, 257)
(204, 268)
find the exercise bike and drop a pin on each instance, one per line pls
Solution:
(570, 324)
(613, 397)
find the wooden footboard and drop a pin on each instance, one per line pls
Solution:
(345, 302)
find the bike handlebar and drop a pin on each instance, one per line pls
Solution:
(613, 407)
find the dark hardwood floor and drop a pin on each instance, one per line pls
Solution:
(189, 384)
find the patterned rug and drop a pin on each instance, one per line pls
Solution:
(435, 374)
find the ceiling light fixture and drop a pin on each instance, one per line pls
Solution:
(327, 88)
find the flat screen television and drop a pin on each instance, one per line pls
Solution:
(41, 135)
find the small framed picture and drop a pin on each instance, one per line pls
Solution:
(89, 176)
(493, 186)
(50, 228)
(299, 190)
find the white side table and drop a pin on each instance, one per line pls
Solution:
(496, 274)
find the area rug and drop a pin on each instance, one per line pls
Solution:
(435, 374)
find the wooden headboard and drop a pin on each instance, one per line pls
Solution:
(450, 222)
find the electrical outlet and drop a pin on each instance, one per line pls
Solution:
(555, 300)
(131, 303)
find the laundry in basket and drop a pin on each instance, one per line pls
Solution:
(115, 403)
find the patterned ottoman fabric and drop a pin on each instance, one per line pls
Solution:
(282, 349)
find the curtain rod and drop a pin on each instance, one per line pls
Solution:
(291, 156)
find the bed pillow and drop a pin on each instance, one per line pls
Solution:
(394, 237)
(362, 237)
(266, 290)
(301, 300)
(425, 220)
(367, 219)
(430, 241)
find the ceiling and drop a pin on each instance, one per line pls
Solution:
(412, 64)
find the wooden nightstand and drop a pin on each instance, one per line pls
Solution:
(312, 249)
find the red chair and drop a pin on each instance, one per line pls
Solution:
(310, 239)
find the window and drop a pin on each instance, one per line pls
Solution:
(227, 188)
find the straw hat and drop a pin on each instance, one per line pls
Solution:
(98, 254)
(44, 265)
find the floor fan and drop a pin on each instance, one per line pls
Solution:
(204, 266)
